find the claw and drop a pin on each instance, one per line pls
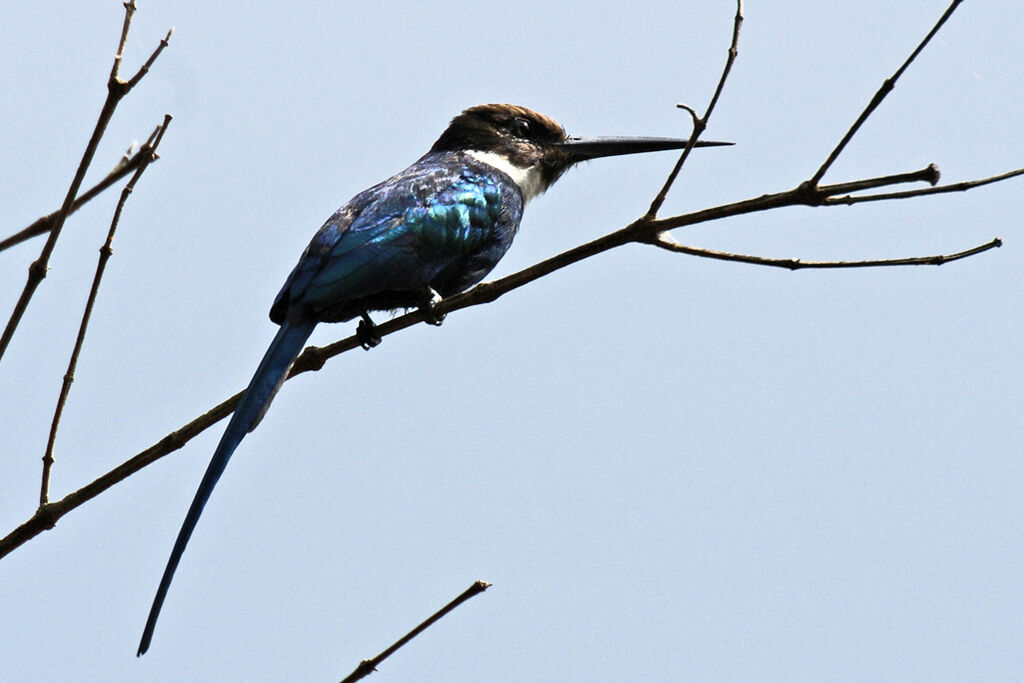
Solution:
(429, 310)
(366, 332)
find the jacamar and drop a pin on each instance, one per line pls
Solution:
(431, 231)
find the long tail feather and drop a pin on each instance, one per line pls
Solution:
(264, 385)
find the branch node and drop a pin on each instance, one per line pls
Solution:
(809, 193)
(314, 358)
(38, 269)
(48, 514)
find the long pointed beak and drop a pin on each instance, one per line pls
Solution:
(594, 148)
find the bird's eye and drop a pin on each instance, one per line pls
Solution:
(520, 128)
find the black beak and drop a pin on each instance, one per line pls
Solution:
(582, 149)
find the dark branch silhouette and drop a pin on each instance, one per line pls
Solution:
(45, 224)
(648, 229)
(368, 666)
(116, 91)
(149, 151)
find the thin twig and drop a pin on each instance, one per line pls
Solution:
(144, 69)
(105, 252)
(116, 89)
(929, 174)
(666, 242)
(47, 515)
(941, 189)
(700, 123)
(43, 225)
(647, 230)
(129, 12)
(886, 87)
(368, 666)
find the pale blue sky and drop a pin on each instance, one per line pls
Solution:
(669, 468)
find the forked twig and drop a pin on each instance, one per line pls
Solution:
(368, 666)
(45, 224)
(700, 122)
(149, 155)
(886, 87)
(941, 189)
(116, 90)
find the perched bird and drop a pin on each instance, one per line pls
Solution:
(431, 231)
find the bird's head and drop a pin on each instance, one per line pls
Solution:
(533, 148)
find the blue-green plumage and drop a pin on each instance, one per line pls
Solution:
(443, 223)
(436, 228)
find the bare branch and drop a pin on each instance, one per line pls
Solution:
(47, 515)
(804, 194)
(665, 241)
(116, 89)
(700, 122)
(368, 666)
(105, 252)
(43, 225)
(886, 87)
(129, 12)
(929, 174)
(941, 189)
(144, 69)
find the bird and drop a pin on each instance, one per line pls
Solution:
(428, 232)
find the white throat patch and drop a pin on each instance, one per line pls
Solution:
(528, 179)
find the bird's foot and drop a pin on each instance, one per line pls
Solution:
(428, 309)
(366, 332)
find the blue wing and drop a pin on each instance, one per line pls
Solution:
(439, 225)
